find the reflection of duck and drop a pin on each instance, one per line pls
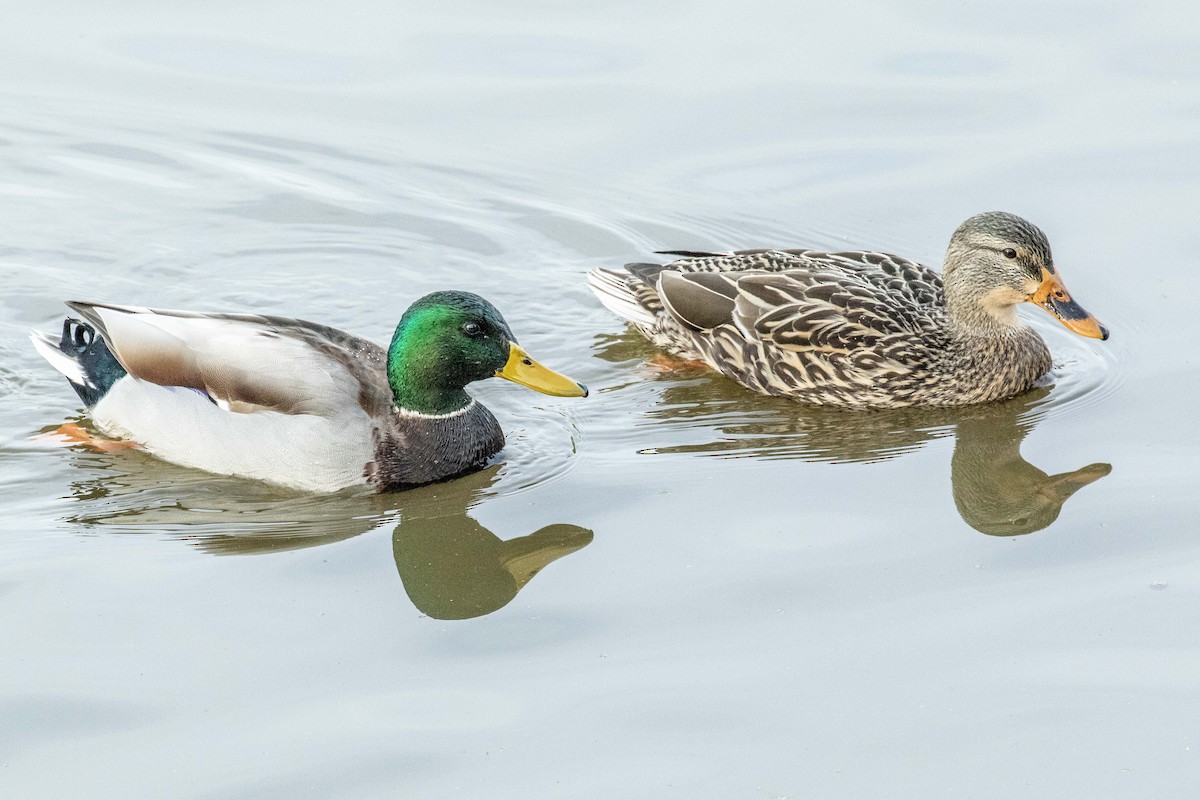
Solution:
(859, 329)
(137, 493)
(454, 568)
(995, 490)
(451, 566)
(998, 492)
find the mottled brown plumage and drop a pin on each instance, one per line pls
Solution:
(858, 329)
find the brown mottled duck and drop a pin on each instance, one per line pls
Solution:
(859, 329)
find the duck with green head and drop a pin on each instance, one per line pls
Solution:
(859, 329)
(295, 403)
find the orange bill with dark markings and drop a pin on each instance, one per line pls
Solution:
(1054, 297)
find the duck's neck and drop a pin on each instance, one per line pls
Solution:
(993, 354)
(974, 311)
(974, 320)
(423, 380)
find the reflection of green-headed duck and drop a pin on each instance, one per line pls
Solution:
(295, 403)
(454, 568)
(451, 566)
(859, 329)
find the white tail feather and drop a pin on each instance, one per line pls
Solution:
(45, 344)
(610, 289)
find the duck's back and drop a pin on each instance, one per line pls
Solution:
(898, 276)
(277, 399)
(853, 329)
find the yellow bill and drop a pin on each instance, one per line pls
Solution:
(522, 369)
(1054, 297)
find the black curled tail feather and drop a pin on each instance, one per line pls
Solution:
(99, 367)
(76, 336)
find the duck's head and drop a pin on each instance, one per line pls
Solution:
(996, 261)
(446, 340)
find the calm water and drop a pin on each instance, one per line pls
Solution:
(741, 598)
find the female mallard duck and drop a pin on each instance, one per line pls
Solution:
(860, 329)
(298, 404)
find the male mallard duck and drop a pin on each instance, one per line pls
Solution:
(298, 404)
(859, 329)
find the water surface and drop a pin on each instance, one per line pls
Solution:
(672, 588)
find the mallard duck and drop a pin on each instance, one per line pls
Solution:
(859, 329)
(295, 403)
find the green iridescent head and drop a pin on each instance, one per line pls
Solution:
(446, 340)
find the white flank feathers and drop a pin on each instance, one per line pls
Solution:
(184, 427)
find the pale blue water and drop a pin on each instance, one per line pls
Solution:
(740, 597)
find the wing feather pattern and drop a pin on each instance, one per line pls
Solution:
(826, 327)
(246, 362)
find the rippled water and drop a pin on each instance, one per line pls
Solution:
(672, 588)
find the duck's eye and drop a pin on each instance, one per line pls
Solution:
(1010, 253)
(472, 329)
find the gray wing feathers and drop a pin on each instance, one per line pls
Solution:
(819, 311)
(250, 362)
(894, 274)
(862, 306)
(700, 301)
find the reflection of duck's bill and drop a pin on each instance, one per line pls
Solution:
(522, 369)
(1054, 297)
(526, 556)
(1062, 486)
